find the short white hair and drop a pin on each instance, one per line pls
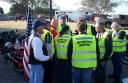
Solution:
(115, 25)
(100, 24)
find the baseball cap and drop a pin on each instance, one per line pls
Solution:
(38, 23)
(62, 17)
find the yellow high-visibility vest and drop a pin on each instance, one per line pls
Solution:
(101, 42)
(59, 28)
(108, 30)
(119, 45)
(62, 46)
(84, 51)
(43, 39)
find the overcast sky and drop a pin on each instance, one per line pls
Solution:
(69, 5)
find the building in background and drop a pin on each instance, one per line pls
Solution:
(72, 15)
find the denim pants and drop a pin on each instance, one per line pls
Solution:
(117, 64)
(81, 75)
(36, 74)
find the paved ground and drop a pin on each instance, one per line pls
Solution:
(110, 70)
(10, 75)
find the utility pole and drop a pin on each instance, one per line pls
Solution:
(50, 10)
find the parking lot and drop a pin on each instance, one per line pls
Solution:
(8, 74)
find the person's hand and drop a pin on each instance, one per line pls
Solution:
(50, 57)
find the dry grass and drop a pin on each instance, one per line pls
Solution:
(12, 25)
(21, 26)
(9, 25)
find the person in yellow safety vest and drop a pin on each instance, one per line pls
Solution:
(119, 46)
(104, 50)
(47, 38)
(63, 65)
(82, 52)
(90, 28)
(43, 37)
(61, 24)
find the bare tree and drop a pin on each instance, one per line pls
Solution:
(99, 6)
(1, 10)
(39, 3)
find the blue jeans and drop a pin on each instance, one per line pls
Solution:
(36, 74)
(117, 64)
(81, 75)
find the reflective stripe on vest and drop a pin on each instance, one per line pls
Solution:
(43, 39)
(84, 60)
(84, 51)
(62, 45)
(119, 45)
(102, 44)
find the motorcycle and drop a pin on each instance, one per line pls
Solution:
(3, 39)
(7, 52)
(14, 56)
